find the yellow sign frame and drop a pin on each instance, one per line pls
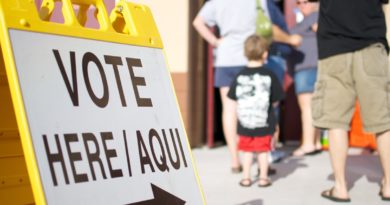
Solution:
(128, 23)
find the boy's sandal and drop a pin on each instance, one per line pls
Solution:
(245, 182)
(266, 184)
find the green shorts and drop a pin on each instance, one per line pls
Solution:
(343, 78)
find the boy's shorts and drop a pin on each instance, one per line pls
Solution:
(255, 144)
(343, 78)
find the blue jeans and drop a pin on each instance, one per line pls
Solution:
(304, 80)
(277, 65)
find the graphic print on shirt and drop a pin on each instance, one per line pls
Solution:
(253, 100)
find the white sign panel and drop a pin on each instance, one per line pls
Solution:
(104, 122)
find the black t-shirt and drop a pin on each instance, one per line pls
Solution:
(349, 25)
(255, 89)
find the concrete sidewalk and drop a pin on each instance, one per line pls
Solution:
(299, 181)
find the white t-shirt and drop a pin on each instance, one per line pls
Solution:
(236, 20)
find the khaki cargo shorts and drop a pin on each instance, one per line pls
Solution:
(363, 75)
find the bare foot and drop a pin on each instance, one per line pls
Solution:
(384, 191)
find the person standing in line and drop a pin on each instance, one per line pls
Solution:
(305, 59)
(255, 90)
(353, 53)
(236, 21)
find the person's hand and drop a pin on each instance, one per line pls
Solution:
(217, 42)
(314, 27)
(295, 40)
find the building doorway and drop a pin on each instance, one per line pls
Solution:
(204, 100)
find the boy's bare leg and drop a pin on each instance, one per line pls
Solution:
(262, 159)
(247, 163)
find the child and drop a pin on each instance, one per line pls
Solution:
(255, 90)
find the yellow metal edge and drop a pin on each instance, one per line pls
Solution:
(26, 18)
(17, 101)
(185, 132)
(9, 19)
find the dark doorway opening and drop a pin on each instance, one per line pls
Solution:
(205, 99)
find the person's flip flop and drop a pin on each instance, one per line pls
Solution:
(328, 194)
(314, 152)
(384, 198)
(311, 153)
(245, 182)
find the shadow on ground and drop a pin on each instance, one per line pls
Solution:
(355, 170)
(287, 167)
(252, 202)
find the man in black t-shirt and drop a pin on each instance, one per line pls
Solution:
(353, 53)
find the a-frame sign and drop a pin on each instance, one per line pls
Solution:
(89, 114)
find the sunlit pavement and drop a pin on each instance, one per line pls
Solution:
(299, 181)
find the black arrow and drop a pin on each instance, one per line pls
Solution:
(161, 197)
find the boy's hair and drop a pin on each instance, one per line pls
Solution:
(255, 46)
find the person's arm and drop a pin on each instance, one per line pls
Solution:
(385, 8)
(278, 26)
(280, 36)
(204, 31)
(299, 28)
(307, 26)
